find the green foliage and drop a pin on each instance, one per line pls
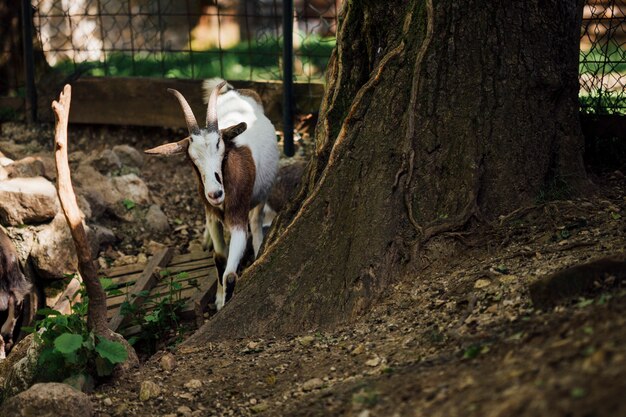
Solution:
(257, 59)
(604, 59)
(128, 204)
(69, 349)
(159, 317)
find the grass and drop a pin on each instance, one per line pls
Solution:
(597, 62)
(254, 61)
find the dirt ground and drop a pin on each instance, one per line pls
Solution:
(457, 338)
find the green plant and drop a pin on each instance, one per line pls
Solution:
(128, 204)
(69, 348)
(159, 317)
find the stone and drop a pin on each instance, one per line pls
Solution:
(48, 400)
(132, 187)
(156, 220)
(3, 173)
(129, 156)
(26, 167)
(17, 371)
(107, 402)
(27, 201)
(260, 407)
(148, 390)
(97, 189)
(105, 162)
(306, 340)
(81, 382)
(183, 410)
(168, 362)
(373, 362)
(53, 254)
(312, 384)
(193, 384)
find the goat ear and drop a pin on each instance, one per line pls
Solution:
(170, 148)
(232, 132)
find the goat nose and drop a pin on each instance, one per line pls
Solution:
(217, 194)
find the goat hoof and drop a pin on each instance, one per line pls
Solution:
(231, 280)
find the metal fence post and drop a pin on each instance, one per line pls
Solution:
(288, 104)
(29, 62)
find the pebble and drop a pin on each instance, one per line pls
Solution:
(193, 384)
(184, 410)
(313, 383)
(306, 340)
(482, 283)
(358, 350)
(373, 362)
(148, 390)
(168, 362)
(107, 402)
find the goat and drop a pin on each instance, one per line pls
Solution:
(235, 166)
(14, 286)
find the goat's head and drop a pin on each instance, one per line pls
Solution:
(205, 147)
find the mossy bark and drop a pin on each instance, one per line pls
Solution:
(433, 114)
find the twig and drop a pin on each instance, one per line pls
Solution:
(96, 313)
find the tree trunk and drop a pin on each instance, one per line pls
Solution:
(434, 115)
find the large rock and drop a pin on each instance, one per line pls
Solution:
(53, 255)
(17, 371)
(48, 400)
(27, 201)
(106, 161)
(97, 190)
(26, 167)
(129, 156)
(132, 187)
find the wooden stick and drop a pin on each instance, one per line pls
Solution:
(97, 310)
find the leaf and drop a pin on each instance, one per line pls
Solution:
(143, 293)
(47, 312)
(616, 216)
(106, 283)
(182, 275)
(115, 352)
(128, 203)
(68, 343)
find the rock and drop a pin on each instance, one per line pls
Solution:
(132, 187)
(168, 362)
(129, 156)
(156, 220)
(193, 384)
(97, 189)
(183, 410)
(105, 162)
(358, 350)
(482, 283)
(17, 371)
(48, 400)
(81, 382)
(26, 167)
(312, 384)
(306, 340)
(102, 237)
(107, 402)
(373, 362)
(148, 390)
(13, 150)
(53, 254)
(27, 200)
(3, 173)
(260, 407)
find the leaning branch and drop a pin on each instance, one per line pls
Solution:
(96, 313)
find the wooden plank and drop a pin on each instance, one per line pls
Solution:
(146, 281)
(193, 256)
(117, 271)
(141, 101)
(199, 301)
(159, 286)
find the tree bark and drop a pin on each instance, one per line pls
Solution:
(437, 115)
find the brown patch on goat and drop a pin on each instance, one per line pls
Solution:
(239, 175)
(252, 94)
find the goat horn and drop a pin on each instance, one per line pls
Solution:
(211, 110)
(192, 124)
(170, 148)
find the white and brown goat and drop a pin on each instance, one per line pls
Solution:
(235, 162)
(14, 286)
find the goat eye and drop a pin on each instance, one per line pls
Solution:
(217, 177)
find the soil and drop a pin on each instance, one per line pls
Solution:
(460, 337)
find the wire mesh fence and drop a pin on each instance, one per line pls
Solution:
(233, 39)
(603, 57)
(242, 40)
